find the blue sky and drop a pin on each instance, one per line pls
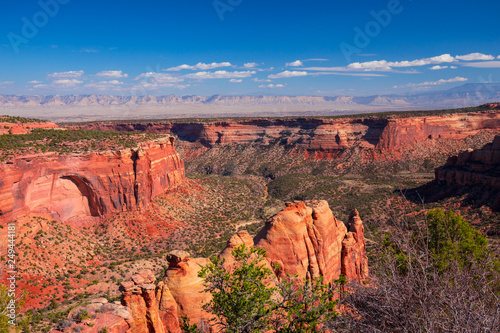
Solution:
(205, 47)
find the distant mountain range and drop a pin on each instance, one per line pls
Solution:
(148, 106)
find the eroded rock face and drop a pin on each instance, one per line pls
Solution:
(88, 185)
(324, 138)
(354, 258)
(304, 239)
(186, 287)
(478, 168)
(139, 296)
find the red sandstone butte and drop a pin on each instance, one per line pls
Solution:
(90, 185)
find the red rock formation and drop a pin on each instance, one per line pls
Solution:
(23, 128)
(323, 138)
(307, 240)
(354, 258)
(473, 168)
(186, 287)
(88, 185)
(115, 318)
(139, 295)
(304, 239)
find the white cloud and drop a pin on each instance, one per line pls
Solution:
(67, 75)
(220, 75)
(112, 74)
(287, 74)
(453, 67)
(272, 86)
(34, 82)
(6, 83)
(60, 84)
(437, 67)
(250, 65)
(316, 59)
(434, 83)
(260, 80)
(482, 64)
(159, 78)
(348, 74)
(67, 82)
(498, 57)
(235, 80)
(295, 63)
(388, 65)
(384, 65)
(199, 66)
(475, 56)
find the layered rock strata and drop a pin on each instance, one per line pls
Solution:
(474, 168)
(91, 185)
(322, 136)
(304, 239)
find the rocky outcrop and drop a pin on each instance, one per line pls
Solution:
(479, 169)
(139, 295)
(97, 316)
(354, 258)
(304, 239)
(186, 286)
(92, 185)
(322, 137)
(23, 128)
(473, 167)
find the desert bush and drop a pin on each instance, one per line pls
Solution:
(248, 298)
(433, 274)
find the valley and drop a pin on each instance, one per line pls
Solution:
(97, 203)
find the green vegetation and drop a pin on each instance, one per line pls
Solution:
(452, 239)
(433, 274)
(69, 141)
(22, 120)
(248, 299)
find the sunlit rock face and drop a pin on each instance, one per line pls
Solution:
(90, 185)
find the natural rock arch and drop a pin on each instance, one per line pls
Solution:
(63, 197)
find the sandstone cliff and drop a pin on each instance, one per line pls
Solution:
(91, 185)
(479, 167)
(322, 137)
(304, 239)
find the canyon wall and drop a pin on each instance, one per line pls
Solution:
(322, 137)
(480, 167)
(90, 185)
